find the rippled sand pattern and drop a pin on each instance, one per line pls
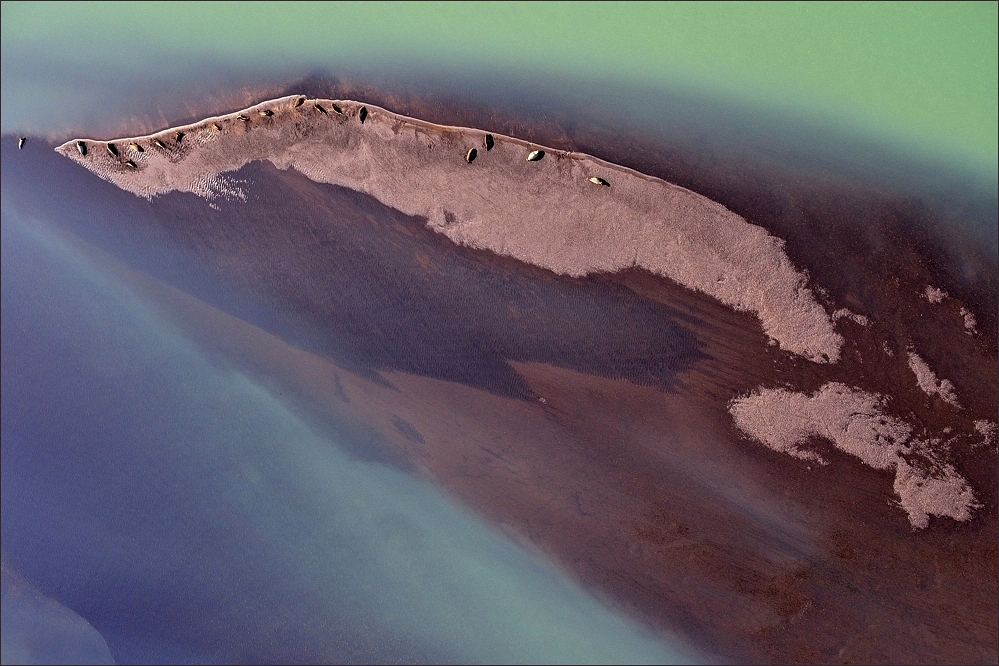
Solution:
(545, 212)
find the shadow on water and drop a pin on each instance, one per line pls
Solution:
(53, 96)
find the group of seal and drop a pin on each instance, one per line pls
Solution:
(488, 141)
(113, 151)
(333, 105)
(533, 156)
(297, 103)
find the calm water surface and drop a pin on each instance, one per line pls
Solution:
(282, 538)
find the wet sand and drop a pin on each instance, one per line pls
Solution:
(561, 215)
(590, 416)
(648, 497)
(548, 212)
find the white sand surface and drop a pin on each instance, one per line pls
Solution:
(546, 212)
(934, 295)
(854, 421)
(929, 383)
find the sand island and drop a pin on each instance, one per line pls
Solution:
(568, 212)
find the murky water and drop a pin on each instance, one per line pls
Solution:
(179, 506)
(921, 77)
(360, 562)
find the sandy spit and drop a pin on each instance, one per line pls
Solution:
(568, 212)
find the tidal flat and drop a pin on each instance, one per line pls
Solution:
(691, 389)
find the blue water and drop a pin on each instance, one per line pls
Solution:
(180, 508)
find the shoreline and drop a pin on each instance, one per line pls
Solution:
(563, 211)
(635, 462)
(576, 233)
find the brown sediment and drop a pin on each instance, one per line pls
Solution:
(647, 496)
(622, 465)
(550, 217)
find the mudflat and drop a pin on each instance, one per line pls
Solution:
(702, 417)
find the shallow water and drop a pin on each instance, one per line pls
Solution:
(177, 505)
(922, 76)
(110, 413)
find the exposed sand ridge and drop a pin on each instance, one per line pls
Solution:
(929, 383)
(556, 212)
(855, 423)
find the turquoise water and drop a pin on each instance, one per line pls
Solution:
(920, 76)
